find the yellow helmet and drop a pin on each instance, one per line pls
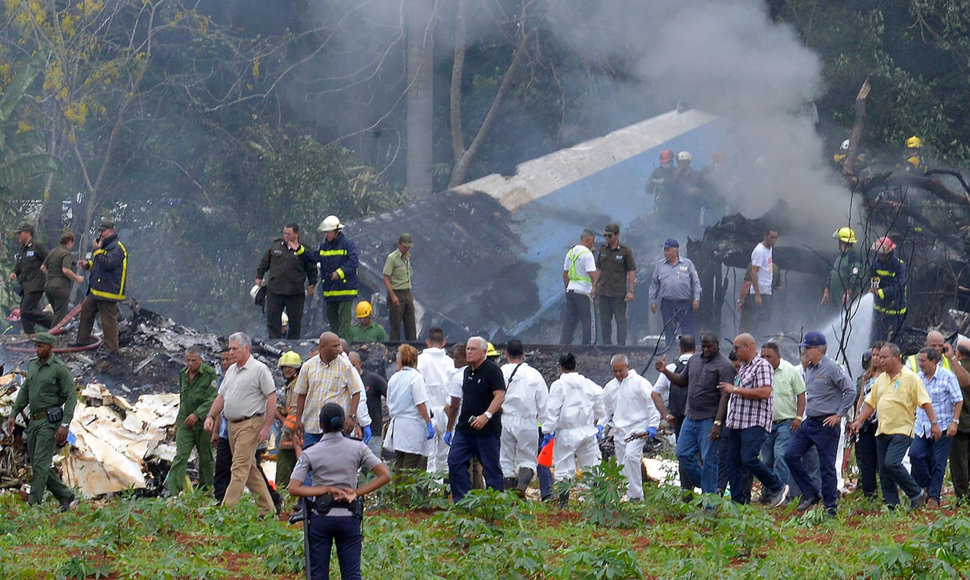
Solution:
(490, 351)
(290, 359)
(845, 235)
(363, 309)
(914, 142)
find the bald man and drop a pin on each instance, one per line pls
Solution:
(326, 378)
(749, 421)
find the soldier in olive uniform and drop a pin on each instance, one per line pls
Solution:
(32, 278)
(50, 393)
(197, 391)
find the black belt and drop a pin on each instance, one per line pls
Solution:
(819, 417)
(253, 416)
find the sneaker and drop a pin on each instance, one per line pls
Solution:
(69, 504)
(765, 497)
(778, 499)
(830, 512)
(808, 502)
(296, 516)
(917, 502)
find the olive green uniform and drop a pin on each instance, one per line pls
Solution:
(373, 333)
(49, 385)
(58, 286)
(846, 275)
(195, 397)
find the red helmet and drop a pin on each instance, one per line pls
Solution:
(666, 156)
(884, 245)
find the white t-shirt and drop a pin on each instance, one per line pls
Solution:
(585, 266)
(761, 258)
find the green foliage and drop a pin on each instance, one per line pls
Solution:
(600, 562)
(604, 486)
(940, 549)
(79, 568)
(411, 489)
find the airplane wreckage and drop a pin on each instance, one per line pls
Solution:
(487, 260)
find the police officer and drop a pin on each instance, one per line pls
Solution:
(106, 287)
(50, 394)
(289, 264)
(28, 271)
(337, 502)
(197, 391)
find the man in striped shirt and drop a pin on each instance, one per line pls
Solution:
(749, 422)
(326, 378)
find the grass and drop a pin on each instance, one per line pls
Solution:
(490, 535)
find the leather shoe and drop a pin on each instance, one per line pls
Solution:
(808, 502)
(918, 501)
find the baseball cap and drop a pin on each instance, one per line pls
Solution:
(813, 339)
(671, 243)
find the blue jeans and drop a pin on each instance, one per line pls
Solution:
(892, 473)
(928, 459)
(773, 449)
(325, 531)
(743, 448)
(826, 441)
(695, 438)
(465, 446)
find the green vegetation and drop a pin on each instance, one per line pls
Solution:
(490, 535)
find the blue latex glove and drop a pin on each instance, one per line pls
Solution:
(367, 434)
(599, 431)
(545, 440)
(449, 435)
(430, 431)
(651, 432)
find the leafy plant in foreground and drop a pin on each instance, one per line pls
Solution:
(601, 498)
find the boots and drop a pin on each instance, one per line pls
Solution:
(525, 478)
(508, 483)
(564, 500)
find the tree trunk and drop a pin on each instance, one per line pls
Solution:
(420, 96)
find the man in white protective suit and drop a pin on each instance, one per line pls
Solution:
(437, 368)
(525, 399)
(574, 407)
(629, 410)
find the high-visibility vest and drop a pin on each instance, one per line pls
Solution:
(573, 274)
(914, 364)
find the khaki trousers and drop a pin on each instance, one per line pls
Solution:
(243, 438)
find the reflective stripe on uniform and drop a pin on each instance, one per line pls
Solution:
(124, 275)
(327, 293)
(572, 273)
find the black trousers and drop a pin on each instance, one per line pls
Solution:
(30, 312)
(577, 312)
(293, 304)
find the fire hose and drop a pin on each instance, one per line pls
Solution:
(27, 345)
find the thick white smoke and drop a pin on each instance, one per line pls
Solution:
(729, 58)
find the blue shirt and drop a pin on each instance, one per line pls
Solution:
(945, 393)
(828, 390)
(675, 281)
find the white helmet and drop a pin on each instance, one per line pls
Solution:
(253, 291)
(685, 156)
(845, 145)
(330, 223)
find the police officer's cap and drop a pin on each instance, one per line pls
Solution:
(44, 338)
(26, 227)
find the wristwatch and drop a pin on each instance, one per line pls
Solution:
(487, 415)
(718, 423)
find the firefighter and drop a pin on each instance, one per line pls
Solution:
(661, 176)
(338, 275)
(888, 285)
(913, 158)
(846, 275)
(289, 446)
